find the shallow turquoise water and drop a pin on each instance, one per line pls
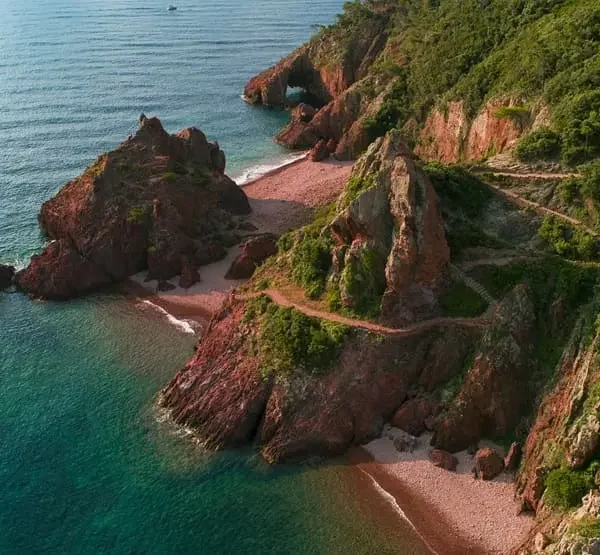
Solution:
(86, 465)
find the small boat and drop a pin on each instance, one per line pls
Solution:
(171, 8)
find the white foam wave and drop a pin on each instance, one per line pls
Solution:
(186, 326)
(392, 501)
(254, 172)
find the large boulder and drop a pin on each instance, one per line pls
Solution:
(7, 274)
(254, 252)
(411, 416)
(488, 463)
(393, 230)
(443, 459)
(156, 201)
(319, 152)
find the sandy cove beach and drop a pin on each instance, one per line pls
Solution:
(454, 513)
(281, 200)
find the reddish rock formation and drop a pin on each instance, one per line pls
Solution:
(511, 461)
(155, 201)
(319, 152)
(449, 136)
(495, 392)
(443, 459)
(222, 395)
(310, 68)
(488, 464)
(397, 218)
(411, 416)
(6, 276)
(303, 112)
(563, 429)
(254, 252)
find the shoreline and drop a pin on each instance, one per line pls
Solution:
(452, 512)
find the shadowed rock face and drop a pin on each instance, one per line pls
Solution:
(6, 276)
(158, 201)
(398, 219)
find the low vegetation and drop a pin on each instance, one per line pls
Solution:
(287, 340)
(565, 487)
(568, 241)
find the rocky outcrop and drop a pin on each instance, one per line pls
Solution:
(223, 396)
(254, 252)
(7, 274)
(156, 202)
(393, 231)
(324, 67)
(319, 152)
(411, 416)
(495, 392)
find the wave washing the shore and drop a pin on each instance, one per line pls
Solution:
(254, 172)
(186, 326)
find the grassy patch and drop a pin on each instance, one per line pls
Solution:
(459, 300)
(169, 177)
(363, 281)
(587, 527)
(288, 340)
(354, 187)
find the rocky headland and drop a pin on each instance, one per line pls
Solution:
(158, 202)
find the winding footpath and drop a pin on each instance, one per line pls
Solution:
(522, 201)
(278, 298)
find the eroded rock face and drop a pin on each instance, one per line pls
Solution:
(7, 274)
(449, 136)
(397, 223)
(494, 394)
(411, 416)
(156, 201)
(565, 424)
(222, 395)
(319, 152)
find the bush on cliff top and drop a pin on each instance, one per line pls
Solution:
(566, 240)
(288, 340)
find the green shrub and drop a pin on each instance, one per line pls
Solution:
(565, 488)
(459, 300)
(568, 241)
(311, 261)
(542, 144)
(394, 110)
(519, 114)
(579, 119)
(169, 177)
(288, 340)
(138, 215)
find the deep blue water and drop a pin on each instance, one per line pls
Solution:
(86, 464)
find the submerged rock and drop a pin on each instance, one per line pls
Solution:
(7, 274)
(156, 201)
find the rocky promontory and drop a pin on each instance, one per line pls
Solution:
(158, 202)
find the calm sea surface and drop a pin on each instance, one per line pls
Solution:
(86, 464)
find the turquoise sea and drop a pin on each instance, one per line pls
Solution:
(87, 463)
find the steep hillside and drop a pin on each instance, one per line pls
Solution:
(462, 80)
